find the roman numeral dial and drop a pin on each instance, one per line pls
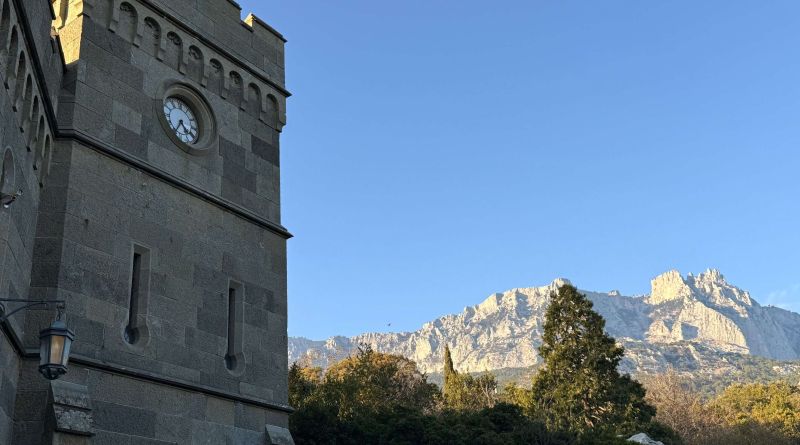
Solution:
(182, 120)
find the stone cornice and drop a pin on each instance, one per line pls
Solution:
(109, 150)
(91, 363)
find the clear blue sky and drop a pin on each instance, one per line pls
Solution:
(439, 151)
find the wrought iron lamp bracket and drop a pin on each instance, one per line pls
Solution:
(60, 306)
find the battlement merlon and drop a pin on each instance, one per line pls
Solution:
(217, 23)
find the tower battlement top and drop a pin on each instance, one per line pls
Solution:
(217, 24)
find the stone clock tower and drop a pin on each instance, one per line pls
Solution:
(140, 155)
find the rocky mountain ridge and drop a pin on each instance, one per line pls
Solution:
(685, 322)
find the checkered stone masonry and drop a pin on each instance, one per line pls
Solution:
(106, 186)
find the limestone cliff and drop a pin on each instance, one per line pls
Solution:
(683, 318)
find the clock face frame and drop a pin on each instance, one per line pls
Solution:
(182, 120)
(187, 118)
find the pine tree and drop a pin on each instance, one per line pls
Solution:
(579, 388)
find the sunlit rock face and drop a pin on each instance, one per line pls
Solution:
(504, 331)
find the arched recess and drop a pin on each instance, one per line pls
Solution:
(151, 38)
(8, 178)
(174, 52)
(254, 101)
(216, 77)
(39, 145)
(30, 121)
(273, 112)
(8, 174)
(196, 64)
(23, 99)
(5, 27)
(11, 59)
(46, 159)
(18, 79)
(235, 88)
(128, 22)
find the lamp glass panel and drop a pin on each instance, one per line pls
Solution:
(56, 348)
(44, 350)
(67, 345)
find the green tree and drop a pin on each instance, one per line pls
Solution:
(774, 406)
(579, 388)
(375, 398)
(370, 382)
(303, 381)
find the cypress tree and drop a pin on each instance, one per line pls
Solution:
(449, 370)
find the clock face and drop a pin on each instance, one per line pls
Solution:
(181, 119)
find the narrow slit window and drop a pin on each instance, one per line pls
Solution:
(229, 357)
(137, 303)
(234, 356)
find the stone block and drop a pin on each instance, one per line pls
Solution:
(277, 435)
(220, 411)
(127, 117)
(71, 408)
(231, 152)
(124, 419)
(266, 150)
(130, 142)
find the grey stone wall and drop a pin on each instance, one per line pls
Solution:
(25, 133)
(9, 371)
(105, 208)
(114, 90)
(114, 184)
(131, 411)
(48, 51)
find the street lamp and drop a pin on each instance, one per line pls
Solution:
(54, 342)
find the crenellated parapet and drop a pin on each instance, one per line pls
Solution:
(245, 67)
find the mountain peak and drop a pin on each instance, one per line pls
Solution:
(558, 282)
(709, 286)
(669, 286)
(712, 276)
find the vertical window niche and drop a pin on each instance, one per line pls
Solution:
(8, 172)
(234, 356)
(136, 331)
